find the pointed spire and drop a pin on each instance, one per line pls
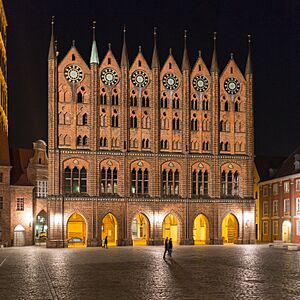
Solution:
(94, 53)
(155, 58)
(249, 60)
(214, 61)
(52, 52)
(185, 59)
(124, 57)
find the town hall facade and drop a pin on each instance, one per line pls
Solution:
(142, 152)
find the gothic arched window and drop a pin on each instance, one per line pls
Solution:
(139, 181)
(109, 180)
(75, 180)
(84, 119)
(85, 140)
(199, 183)
(230, 183)
(79, 97)
(170, 182)
(79, 140)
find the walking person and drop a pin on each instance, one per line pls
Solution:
(166, 246)
(105, 242)
(170, 248)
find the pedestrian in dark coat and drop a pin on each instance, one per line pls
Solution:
(166, 246)
(170, 248)
(105, 243)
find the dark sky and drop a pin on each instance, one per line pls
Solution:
(274, 25)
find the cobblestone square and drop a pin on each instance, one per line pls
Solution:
(194, 272)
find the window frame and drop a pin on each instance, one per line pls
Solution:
(20, 205)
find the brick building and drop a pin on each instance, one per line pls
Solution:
(139, 152)
(280, 201)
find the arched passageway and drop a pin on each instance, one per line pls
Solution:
(41, 227)
(76, 231)
(170, 228)
(140, 230)
(110, 229)
(201, 230)
(230, 229)
(19, 236)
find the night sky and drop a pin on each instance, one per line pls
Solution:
(273, 24)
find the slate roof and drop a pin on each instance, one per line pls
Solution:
(19, 158)
(265, 165)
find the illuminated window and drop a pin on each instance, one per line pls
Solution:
(41, 188)
(297, 184)
(298, 227)
(109, 181)
(75, 180)
(286, 186)
(200, 182)
(275, 189)
(298, 205)
(265, 227)
(275, 227)
(20, 204)
(139, 181)
(265, 190)
(230, 183)
(170, 182)
(286, 206)
(275, 207)
(265, 208)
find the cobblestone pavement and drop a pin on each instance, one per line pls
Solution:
(194, 272)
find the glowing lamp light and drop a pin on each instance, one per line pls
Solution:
(29, 219)
(57, 219)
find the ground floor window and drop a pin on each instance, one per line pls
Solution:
(298, 227)
(265, 227)
(275, 227)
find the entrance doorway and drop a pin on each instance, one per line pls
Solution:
(110, 229)
(41, 228)
(140, 230)
(230, 229)
(76, 231)
(201, 230)
(19, 236)
(170, 228)
(286, 231)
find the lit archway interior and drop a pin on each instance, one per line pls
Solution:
(41, 227)
(286, 231)
(170, 228)
(200, 231)
(110, 229)
(140, 230)
(76, 231)
(230, 229)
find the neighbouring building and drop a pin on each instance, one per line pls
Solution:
(23, 192)
(280, 202)
(264, 168)
(141, 152)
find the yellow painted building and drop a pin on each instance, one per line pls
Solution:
(3, 73)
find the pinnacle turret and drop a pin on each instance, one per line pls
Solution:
(185, 58)
(155, 58)
(214, 61)
(248, 69)
(52, 51)
(124, 57)
(94, 53)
